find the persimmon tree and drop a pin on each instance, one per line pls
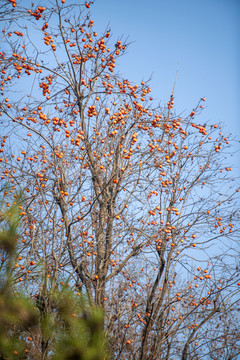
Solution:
(122, 199)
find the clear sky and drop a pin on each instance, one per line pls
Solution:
(200, 37)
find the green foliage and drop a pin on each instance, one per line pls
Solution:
(16, 311)
(58, 325)
(81, 335)
(17, 317)
(9, 218)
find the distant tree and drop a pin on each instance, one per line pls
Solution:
(128, 202)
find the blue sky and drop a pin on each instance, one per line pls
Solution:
(201, 38)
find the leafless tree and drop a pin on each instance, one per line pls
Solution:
(123, 199)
